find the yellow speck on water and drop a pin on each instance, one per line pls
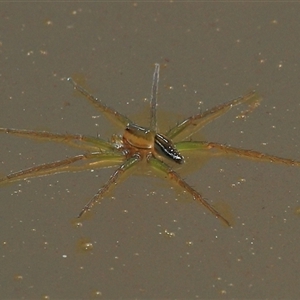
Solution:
(297, 210)
(96, 294)
(18, 277)
(84, 245)
(169, 234)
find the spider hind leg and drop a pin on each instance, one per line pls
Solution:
(218, 149)
(172, 175)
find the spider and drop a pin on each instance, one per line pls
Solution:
(139, 143)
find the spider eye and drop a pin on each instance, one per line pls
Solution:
(164, 147)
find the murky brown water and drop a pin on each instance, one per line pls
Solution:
(142, 243)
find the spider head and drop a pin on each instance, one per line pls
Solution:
(138, 137)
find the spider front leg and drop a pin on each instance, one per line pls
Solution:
(129, 163)
(172, 175)
(74, 140)
(65, 165)
(109, 112)
(221, 149)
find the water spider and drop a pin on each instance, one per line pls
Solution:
(139, 143)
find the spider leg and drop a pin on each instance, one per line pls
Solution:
(153, 101)
(110, 113)
(194, 123)
(171, 174)
(221, 149)
(75, 140)
(129, 163)
(65, 165)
